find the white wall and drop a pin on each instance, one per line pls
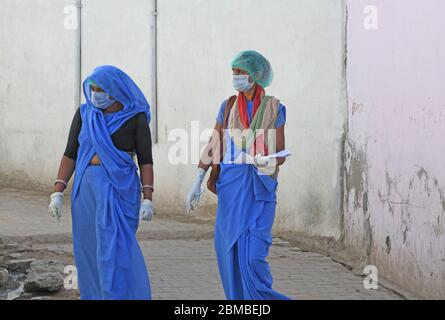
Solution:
(395, 187)
(37, 89)
(304, 41)
(123, 40)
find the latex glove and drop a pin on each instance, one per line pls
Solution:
(195, 192)
(55, 205)
(261, 161)
(147, 210)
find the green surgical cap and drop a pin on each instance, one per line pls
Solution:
(256, 65)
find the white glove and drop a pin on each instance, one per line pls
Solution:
(55, 205)
(261, 161)
(147, 210)
(195, 192)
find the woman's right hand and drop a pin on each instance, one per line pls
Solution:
(195, 192)
(55, 205)
(66, 169)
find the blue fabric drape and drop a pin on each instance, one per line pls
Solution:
(118, 252)
(243, 232)
(108, 260)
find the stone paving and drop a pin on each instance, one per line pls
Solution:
(180, 256)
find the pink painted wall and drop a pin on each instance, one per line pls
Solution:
(395, 151)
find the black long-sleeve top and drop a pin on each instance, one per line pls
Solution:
(133, 136)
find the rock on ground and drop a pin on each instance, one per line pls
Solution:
(45, 275)
(19, 265)
(4, 276)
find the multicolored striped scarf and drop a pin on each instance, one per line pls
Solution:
(254, 137)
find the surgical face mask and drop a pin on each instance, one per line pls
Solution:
(101, 100)
(241, 82)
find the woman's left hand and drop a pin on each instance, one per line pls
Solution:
(147, 210)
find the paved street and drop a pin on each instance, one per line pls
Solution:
(180, 256)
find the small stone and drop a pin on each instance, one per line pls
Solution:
(4, 276)
(15, 247)
(15, 255)
(22, 248)
(41, 298)
(3, 262)
(20, 265)
(12, 284)
(45, 275)
(24, 296)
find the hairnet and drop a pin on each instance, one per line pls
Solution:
(256, 65)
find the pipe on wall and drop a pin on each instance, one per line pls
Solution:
(78, 58)
(154, 126)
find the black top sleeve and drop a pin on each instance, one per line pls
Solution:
(143, 140)
(73, 142)
(133, 135)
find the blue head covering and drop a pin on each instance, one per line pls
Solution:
(121, 87)
(97, 128)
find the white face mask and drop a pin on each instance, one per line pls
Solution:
(241, 82)
(101, 100)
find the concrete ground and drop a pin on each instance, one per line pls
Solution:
(179, 254)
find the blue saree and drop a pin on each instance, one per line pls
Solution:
(106, 198)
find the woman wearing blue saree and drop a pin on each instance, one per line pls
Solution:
(252, 126)
(106, 204)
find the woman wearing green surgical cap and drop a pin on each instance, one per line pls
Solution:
(251, 126)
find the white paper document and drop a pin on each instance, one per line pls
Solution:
(248, 159)
(282, 153)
